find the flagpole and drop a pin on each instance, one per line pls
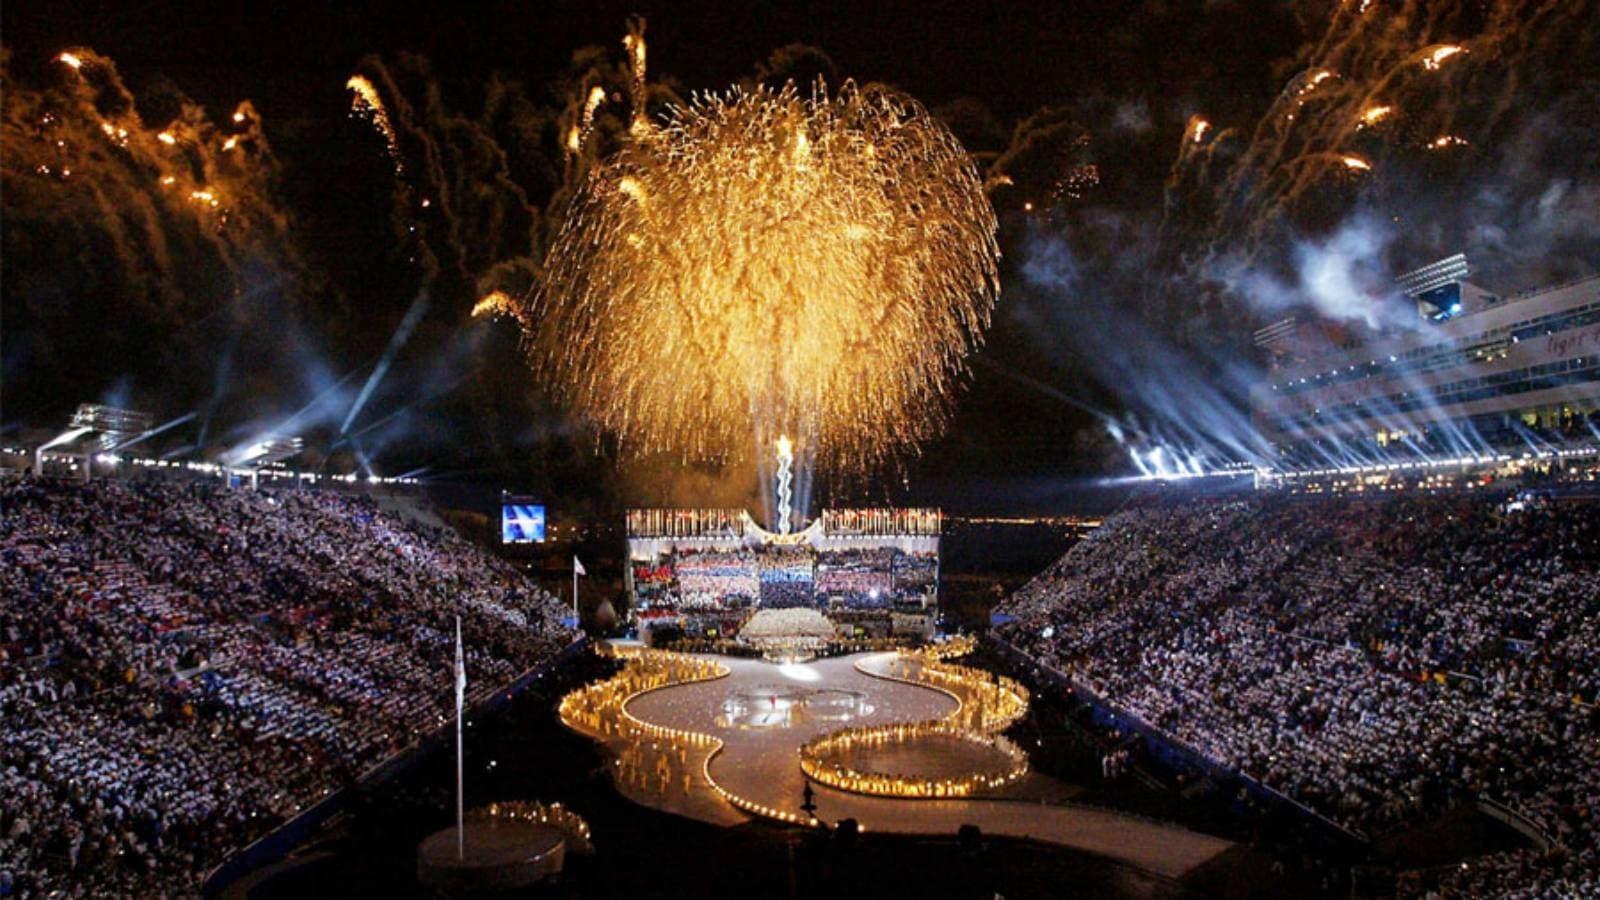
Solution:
(461, 846)
(577, 619)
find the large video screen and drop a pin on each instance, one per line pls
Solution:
(521, 523)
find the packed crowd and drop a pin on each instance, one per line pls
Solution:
(858, 578)
(916, 578)
(916, 570)
(707, 580)
(184, 667)
(712, 578)
(1373, 659)
(786, 575)
(875, 577)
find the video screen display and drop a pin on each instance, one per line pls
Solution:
(521, 523)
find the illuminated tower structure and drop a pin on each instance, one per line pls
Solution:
(785, 485)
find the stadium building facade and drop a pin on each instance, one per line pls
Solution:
(1480, 374)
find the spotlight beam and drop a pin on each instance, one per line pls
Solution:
(402, 333)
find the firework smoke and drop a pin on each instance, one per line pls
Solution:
(1417, 112)
(1409, 131)
(458, 210)
(466, 210)
(164, 223)
(84, 140)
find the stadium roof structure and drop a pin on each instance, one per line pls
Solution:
(111, 421)
(263, 450)
(1434, 275)
(112, 426)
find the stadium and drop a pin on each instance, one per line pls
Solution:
(957, 458)
(1476, 375)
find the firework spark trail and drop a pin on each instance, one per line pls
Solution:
(766, 263)
(461, 211)
(1189, 174)
(597, 96)
(1372, 115)
(579, 132)
(494, 303)
(368, 104)
(456, 212)
(1422, 69)
(639, 126)
(151, 191)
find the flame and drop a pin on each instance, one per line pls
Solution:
(71, 60)
(166, 137)
(1201, 126)
(1356, 163)
(1444, 141)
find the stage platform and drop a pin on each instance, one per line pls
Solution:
(760, 763)
(499, 855)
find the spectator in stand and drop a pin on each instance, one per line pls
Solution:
(1373, 659)
(183, 667)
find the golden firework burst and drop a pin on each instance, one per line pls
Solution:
(765, 262)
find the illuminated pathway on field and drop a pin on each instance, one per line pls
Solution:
(762, 765)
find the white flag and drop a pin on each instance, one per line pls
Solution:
(461, 672)
(577, 567)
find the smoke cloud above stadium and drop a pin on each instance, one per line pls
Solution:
(1401, 134)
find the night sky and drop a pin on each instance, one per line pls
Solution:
(1012, 57)
(1094, 96)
